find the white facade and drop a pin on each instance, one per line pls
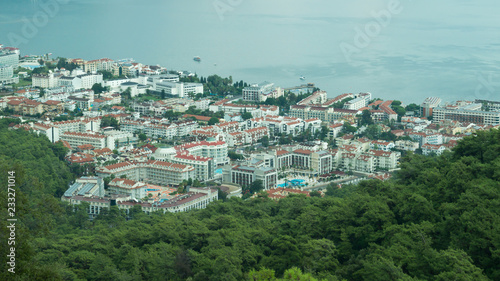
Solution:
(253, 92)
(45, 81)
(8, 57)
(7, 74)
(179, 89)
(153, 171)
(132, 188)
(77, 139)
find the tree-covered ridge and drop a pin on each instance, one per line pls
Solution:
(437, 220)
(40, 179)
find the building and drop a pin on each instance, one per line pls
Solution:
(361, 100)
(82, 125)
(317, 99)
(53, 106)
(254, 92)
(217, 150)
(25, 106)
(76, 139)
(9, 61)
(45, 81)
(489, 105)
(179, 89)
(245, 175)
(325, 114)
(50, 131)
(96, 65)
(134, 189)
(428, 149)
(152, 171)
(464, 114)
(9, 56)
(196, 198)
(83, 81)
(406, 145)
(321, 162)
(86, 186)
(283, 159)
(427, 107)
(7, 74)
(335, 129)
(204, 167)
(280, 193)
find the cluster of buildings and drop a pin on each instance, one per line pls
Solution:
(125, 194)
(318, 106)
(261, 92)
(9, 61)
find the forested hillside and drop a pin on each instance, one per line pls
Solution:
(438, 219)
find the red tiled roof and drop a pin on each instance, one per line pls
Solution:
(280, 152)
(303, 151)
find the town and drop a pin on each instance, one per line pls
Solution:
(170, 141)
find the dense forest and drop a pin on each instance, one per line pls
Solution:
(437, 219)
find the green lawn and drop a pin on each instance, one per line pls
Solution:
(22, 83)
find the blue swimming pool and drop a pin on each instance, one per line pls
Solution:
(292, 183)
(218, 171)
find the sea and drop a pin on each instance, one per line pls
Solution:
(395, 49)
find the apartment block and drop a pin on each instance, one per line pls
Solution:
(152, 171)
(245, 175)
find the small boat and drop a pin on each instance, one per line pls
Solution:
(197, 59)
(302, 78)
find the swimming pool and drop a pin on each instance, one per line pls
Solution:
(292, 183)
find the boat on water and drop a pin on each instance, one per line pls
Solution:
(197, 58)
(302, 78)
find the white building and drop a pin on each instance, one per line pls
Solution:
(427, 107)
(52, 132)
(245, 176)
(153, 171)
(179, 89)
(86, 186)
(210, 148)
(45, 81)
(132, 188)
(84, 81)
(7, 75)
(197, 198)
(361, 100)
(77, 139)
(9, 56)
